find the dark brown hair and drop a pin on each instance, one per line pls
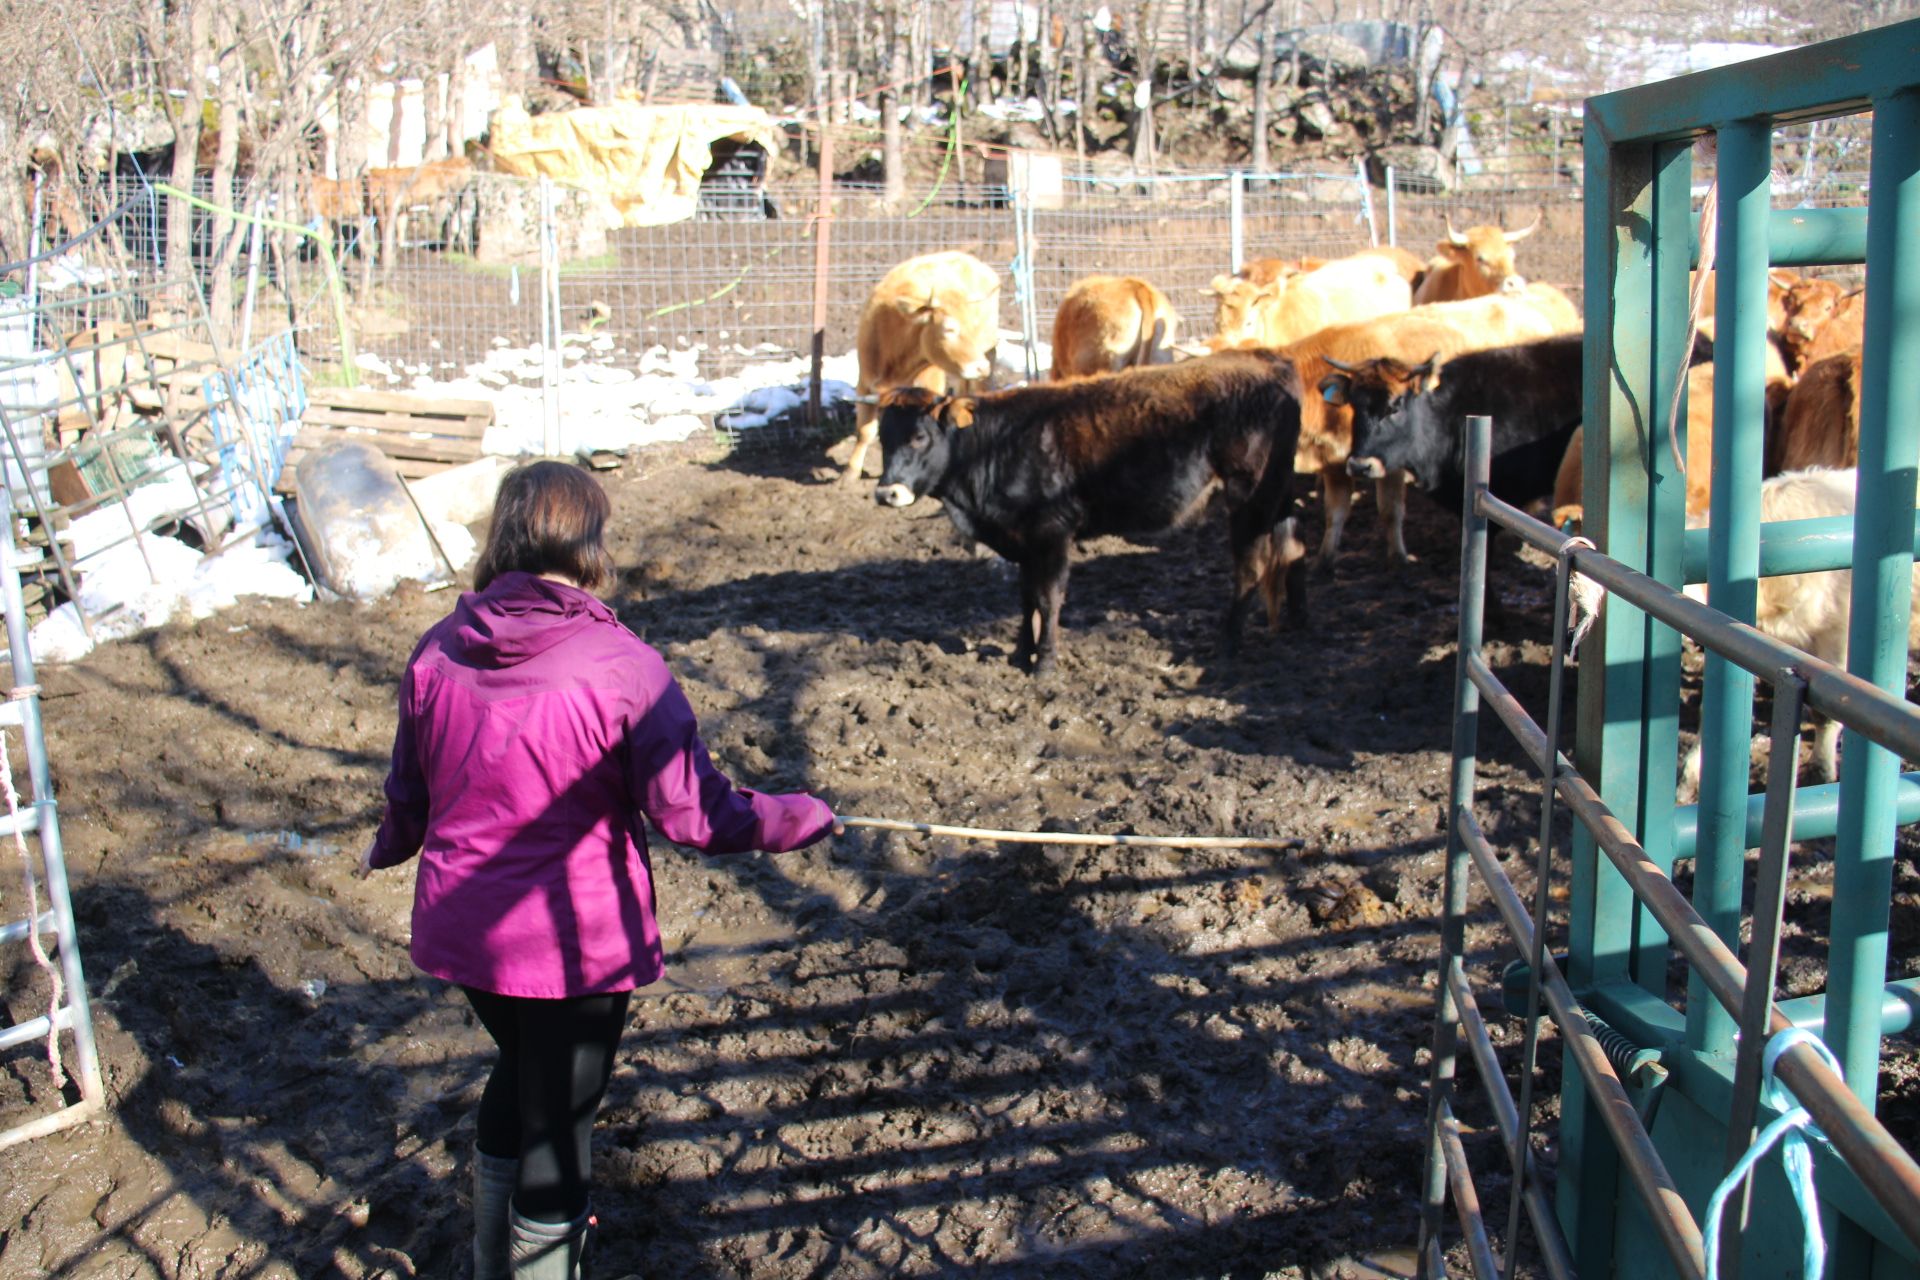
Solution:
(549, 517)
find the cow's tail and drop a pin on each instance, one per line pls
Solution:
(1152, 334)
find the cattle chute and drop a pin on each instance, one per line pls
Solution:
(1660, 1101)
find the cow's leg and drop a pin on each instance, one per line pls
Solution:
(1048, 570)
(1287, 572)
(1390, 490)
(1826, 747)
(1336, 501)
(1266, 551)
(1029, 641)
(866, 429)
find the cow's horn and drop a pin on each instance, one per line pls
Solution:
(1340, 365)
(1453, 235)
(1523, 232)
(864, 399)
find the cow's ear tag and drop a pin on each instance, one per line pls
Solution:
(1333, 390)
(958, 414)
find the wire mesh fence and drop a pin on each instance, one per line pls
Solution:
(477, 288)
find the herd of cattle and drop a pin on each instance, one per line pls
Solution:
(1361, 368)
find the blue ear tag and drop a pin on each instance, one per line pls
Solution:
(1330, 395)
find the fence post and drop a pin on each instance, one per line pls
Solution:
(822, 261)
(1237, 218)
(1023, 278)
(1393, 211)
(549, 324)
(253, 279)
(1366, 200)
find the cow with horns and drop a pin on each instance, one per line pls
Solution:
(1472, 264)
(1031, 470)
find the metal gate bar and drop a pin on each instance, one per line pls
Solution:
(1887, 1172)
(40, 818)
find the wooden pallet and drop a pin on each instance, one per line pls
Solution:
(419, 434)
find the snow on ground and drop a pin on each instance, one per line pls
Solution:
(132, 585)
(608, 400)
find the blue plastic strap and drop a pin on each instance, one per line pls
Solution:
(1796, 1158)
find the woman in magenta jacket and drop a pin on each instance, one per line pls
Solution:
(536, 736)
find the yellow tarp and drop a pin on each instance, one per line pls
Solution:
(646, 161)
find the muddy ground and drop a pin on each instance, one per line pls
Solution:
(884, 1056)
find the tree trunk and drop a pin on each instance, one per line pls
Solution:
(1147, 42)
(1263, 93)
(458, 126)
(893, 162)
(396, 116)
(1086, 88)
(225, 231)
(982, 73)
(433, 115)
(195, 26)
(1049, 76)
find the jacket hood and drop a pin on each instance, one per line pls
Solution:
(518, 617)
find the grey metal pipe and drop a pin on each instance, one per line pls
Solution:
(1554, 1254)
(1869, 711)
(1666, 1208)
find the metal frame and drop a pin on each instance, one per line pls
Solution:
(40, 819)
(1624, 1193)
(1601, 1056)
(1641, 241)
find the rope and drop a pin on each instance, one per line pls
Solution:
(724, 289)
(1707, 147)
(1795, 1157)
(40, 956)
(953, 143)
(1073, 837)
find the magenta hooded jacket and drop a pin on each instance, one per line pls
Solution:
(537, 735)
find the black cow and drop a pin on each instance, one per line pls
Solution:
(1031, 470)
(1412, 417)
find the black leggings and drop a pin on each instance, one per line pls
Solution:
(540, 1101)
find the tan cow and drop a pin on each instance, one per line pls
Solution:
(1472, 264)
(432, 185)
(1822, 319)
(1290, 307)
(1568, 485)
(1445, 329)
(932, 318)
(1109, 323)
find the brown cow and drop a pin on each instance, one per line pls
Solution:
(1293, 306)
(1109, 323)
(1420, 334)
(1820, 426)
(931, 318)
(1472, 264)
(1822, 319)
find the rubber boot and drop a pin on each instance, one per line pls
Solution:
(549, 1250)
(493, 1179)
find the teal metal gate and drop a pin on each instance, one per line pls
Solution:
(1634, 1180)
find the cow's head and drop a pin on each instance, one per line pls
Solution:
(1807, 307)
(1388, 401)
(1484, 258)
(916, 442)
(1239, 304)
(958, 333)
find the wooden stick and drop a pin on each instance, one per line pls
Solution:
(1074, 837)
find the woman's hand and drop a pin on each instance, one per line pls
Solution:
(366, 867)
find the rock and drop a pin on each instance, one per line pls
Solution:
(1316, 117)
(1415, 167)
